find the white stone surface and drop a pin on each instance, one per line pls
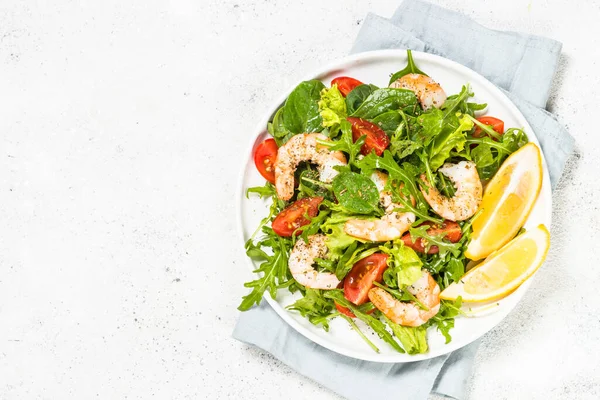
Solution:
(122, 127)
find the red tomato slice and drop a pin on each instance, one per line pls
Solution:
(293, 217)
(360, 279)
(345, 84)
(495, 123)
(376, 139)
(450, 228)
(264, 159)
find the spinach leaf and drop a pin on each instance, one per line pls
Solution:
(356, 193)
(411, 68)
(388, 121)
(386, 99)
(301, 112)
(278, 130)
(357, 96)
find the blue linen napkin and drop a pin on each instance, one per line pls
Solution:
(523, 65)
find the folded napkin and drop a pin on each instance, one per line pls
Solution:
(523, 65)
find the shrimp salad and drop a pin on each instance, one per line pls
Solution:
(373, 191)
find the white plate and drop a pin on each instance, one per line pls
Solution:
(375, 67)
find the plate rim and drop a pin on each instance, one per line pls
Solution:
(342, 63)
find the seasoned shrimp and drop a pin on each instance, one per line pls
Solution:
(304, 147)
(466, 199)
(389, 227)
(426, 291)
(428, 91)
(301, 262)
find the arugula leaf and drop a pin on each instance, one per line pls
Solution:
(332, 107)
(489, 154)
(301, 110)
(311, 186)
(315, 307)
(375, 324)
(357, 96)
(402, 174)
(346, 142)
(386, 99)
(274, 269)
(458, 103)
(444, 319)
(399, 147)
(263, 191)
(411, 68)
(356, 193)
(437, 240)
(413, 339)
(455, 269)
(362, 335)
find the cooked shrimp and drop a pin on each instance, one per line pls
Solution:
(428, 91)
(304, 147)
(301, 262)
(389, 227)
(466, 199)
(426, 291)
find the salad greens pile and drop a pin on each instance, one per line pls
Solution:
(420, 142)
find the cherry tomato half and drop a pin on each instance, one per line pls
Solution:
(450, 228)
(495, 123)
(264, 159)
(376, 139)
(346, 311)
(362, 275)
(345, 84)
(293, 217)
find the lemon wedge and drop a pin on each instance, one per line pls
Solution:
(507, 202)
(504, 270)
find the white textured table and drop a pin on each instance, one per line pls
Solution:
(122, 129)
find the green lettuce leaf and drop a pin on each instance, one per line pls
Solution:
(414, 340)
(332, 107)
(404, 265)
